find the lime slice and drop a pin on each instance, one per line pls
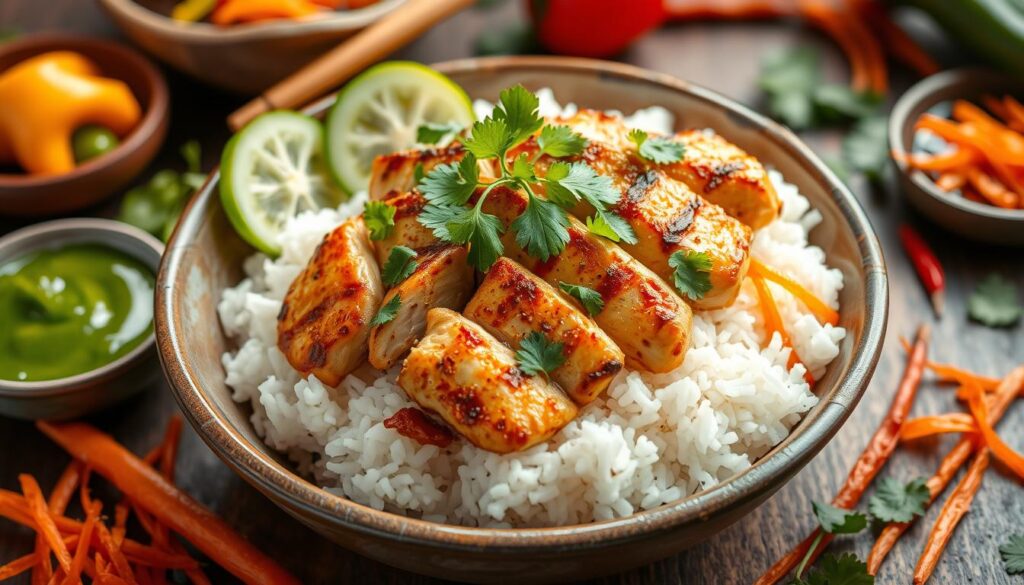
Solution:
(272, 170)
(380, 111)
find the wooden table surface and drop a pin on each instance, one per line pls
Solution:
(724, 57)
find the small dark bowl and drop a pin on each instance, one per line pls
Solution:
(977, 221)
(96, 179)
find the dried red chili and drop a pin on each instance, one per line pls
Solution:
(927, 265)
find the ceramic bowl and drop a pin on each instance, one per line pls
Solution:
(977, 221)
(79, 395)
(96, 179)
(205, 256)
(246, 58)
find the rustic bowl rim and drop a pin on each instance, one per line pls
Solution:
(289, 489)
(919, 98)
(204, 32)
(156, 110)
(101, 229)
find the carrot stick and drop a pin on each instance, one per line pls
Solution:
(897, 42)
(952, 511)
(951, 181)
(824, 16)
(773, 322)
(121, 512)
(996, 106)
(1014, 109)
(1010, 458)
(951, 373)
(170, 505)
(82, 550)
(40, 514)
(169, 452)
(946, 161)
(926, 426)
(19, 566)
(61, 495)
(1008, 389)
(870, 462)
(822, 312)
(991, 189)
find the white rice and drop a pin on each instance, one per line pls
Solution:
(652, 439)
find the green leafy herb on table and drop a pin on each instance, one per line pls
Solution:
(387, 312)
(657, 149)
(399, 265)
(894, 501)
(588, 297)
(156, 206)
(845, 569)
(379, 218)
(1013, 554)
(833, 570)
(542, 228)
(994, 302)
(537, 355)
(692, 272)
(839, 521)
(866, 147)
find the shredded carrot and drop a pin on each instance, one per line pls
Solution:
(870, 462)
(171, 506)
(979, 409)
(18, 566)
(867, 66)
(1014, 109)
(821, 311)
(58, 501)
(951, 181)
(121, 512)
(82, 550)
(996, 106)
(926, 426)
(897, 42)
(992, 189)
(773, 322)
(952, 160)
(169, 451)
(952, 511)
(44, 521)
(951, 373)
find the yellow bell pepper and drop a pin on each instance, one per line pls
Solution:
(236, 11)
(45, 98)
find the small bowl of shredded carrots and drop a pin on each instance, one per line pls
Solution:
(958, 139)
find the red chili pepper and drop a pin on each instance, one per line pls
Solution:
(593, 28)
(926, 263)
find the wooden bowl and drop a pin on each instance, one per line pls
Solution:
(977, 221)
(205, 256)
(246, 58)
(95, 179)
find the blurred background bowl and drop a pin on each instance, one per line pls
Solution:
(98, 178)
(244, 58)
(977, 221)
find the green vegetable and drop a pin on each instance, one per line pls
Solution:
(399, 265)
(1013, 554)
(839, 521)
(90, 142)
(537, 355)
(692, 273)
(156, 206)
(993, 29)
(379, 218)
(387, 311)
(845, 569)
(69, 310)
(588, 297)
(788, 78)
(994, 302)
(515, 39)
(658, 150)
(896, 502)
(866, 148)
(433, 132)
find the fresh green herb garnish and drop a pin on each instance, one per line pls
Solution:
(839, 521)
(156, 206)
(839, 103)
(537, 355)
(692, 273)
(379, 218)
(399, 265)
(432, 133)
(387, 311)
(542, 229)
(417, 172)
(834, 570)
(1013, 554)
(866, 147)
(656, 149)
(994, 302)
(588, 297)
(845, 569)
(895, 502)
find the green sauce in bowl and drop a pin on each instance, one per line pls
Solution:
(70, 310)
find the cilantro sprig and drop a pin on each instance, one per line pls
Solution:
(538, 355)
(657, 149)
(994, 302)
(542, 228)
(588, 297)
(894, 501)
(387, 312)
(379, 218)
(399, 265)
(1013, 554)
(692, 272)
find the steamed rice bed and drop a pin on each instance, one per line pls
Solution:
(650, 440)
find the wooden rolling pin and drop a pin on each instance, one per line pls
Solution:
(380, 39)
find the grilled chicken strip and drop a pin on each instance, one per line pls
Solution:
(470, 379)
(323, 323)
(396, 172)
(642, 314)
(442, 278)
(408, 231)
(512, 303)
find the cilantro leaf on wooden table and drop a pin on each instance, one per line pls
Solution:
(537, 355)
(895, 502)
(994, 302)
(379, 218)
(692, 273)
(866, 147)
(788, 78)
(845, 569)
(387, 312)
(1013, 554)
(656, 149)
(839, 521)
(399, 265)
(588, 297)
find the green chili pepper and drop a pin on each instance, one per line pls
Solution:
(156, 206)
(994, 29)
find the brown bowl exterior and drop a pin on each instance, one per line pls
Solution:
(976, 221)
(94, 180)
(205, 256)
(245, 59)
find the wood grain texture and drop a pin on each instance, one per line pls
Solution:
(724, 57)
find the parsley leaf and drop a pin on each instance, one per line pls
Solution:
(692, 273)
(840, 103)
(588, 297)
(845, 569)
(432, 133)
(656, 149)
(379, 218)
(559, 141)
(839, 521)
(788, 78)
(896, 502)
(399, 265)
(482, 231)
(608, 225)
(451, 184)
(523, 169)
(542, 230)
(489, 138)
(387, 311)
(994, 302)
(1013, 554)
(538, 355)
(518, 110)
(577, 181)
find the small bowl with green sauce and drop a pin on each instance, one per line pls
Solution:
(76, 307)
